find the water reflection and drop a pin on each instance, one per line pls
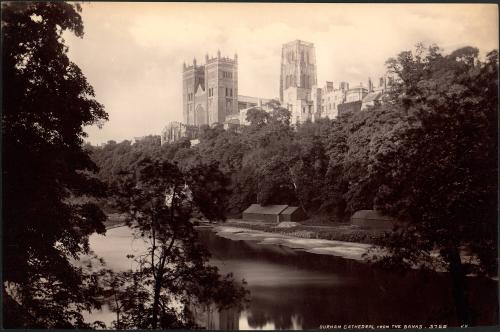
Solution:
(261, 321)
(298, 290)
(292, 289)
(210, 318)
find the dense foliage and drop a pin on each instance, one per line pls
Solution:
(46, 103)
(438, 169)
(314, 165)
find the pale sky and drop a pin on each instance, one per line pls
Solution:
(132, 53)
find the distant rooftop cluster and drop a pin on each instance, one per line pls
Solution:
(306, 101)
(210, 93)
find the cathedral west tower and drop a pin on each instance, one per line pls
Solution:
(210, 91)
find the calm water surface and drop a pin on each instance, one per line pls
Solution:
(298, 290)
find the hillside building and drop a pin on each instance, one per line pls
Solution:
(174, 131)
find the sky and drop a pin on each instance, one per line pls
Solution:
(132, 53)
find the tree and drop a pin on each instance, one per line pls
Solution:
(268, 138)
(365, 133)
(47, 102)
(257, 117)
(308, 165)
(173, 272)
(438, 168)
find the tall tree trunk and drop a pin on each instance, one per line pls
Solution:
(160, 269)
(156, 303)
(459, 287)
(292, 178)
(118, 325)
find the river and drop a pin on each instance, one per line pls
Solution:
(293, 289)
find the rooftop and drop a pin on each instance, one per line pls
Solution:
(298, 41)
(290, 210)
(268, 209)
(248, 99)
(372, 96)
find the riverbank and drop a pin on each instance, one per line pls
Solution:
(344, 249)
(345, 232)
(296, 238)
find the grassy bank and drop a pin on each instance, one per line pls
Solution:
(339, 231)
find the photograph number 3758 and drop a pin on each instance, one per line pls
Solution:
(242, 166)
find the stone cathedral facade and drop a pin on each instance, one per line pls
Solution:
(210, 91)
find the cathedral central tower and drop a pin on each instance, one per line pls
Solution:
(298, 66)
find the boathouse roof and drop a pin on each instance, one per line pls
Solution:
(290, 210)
(267, 209)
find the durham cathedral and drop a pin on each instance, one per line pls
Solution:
(210, 93)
